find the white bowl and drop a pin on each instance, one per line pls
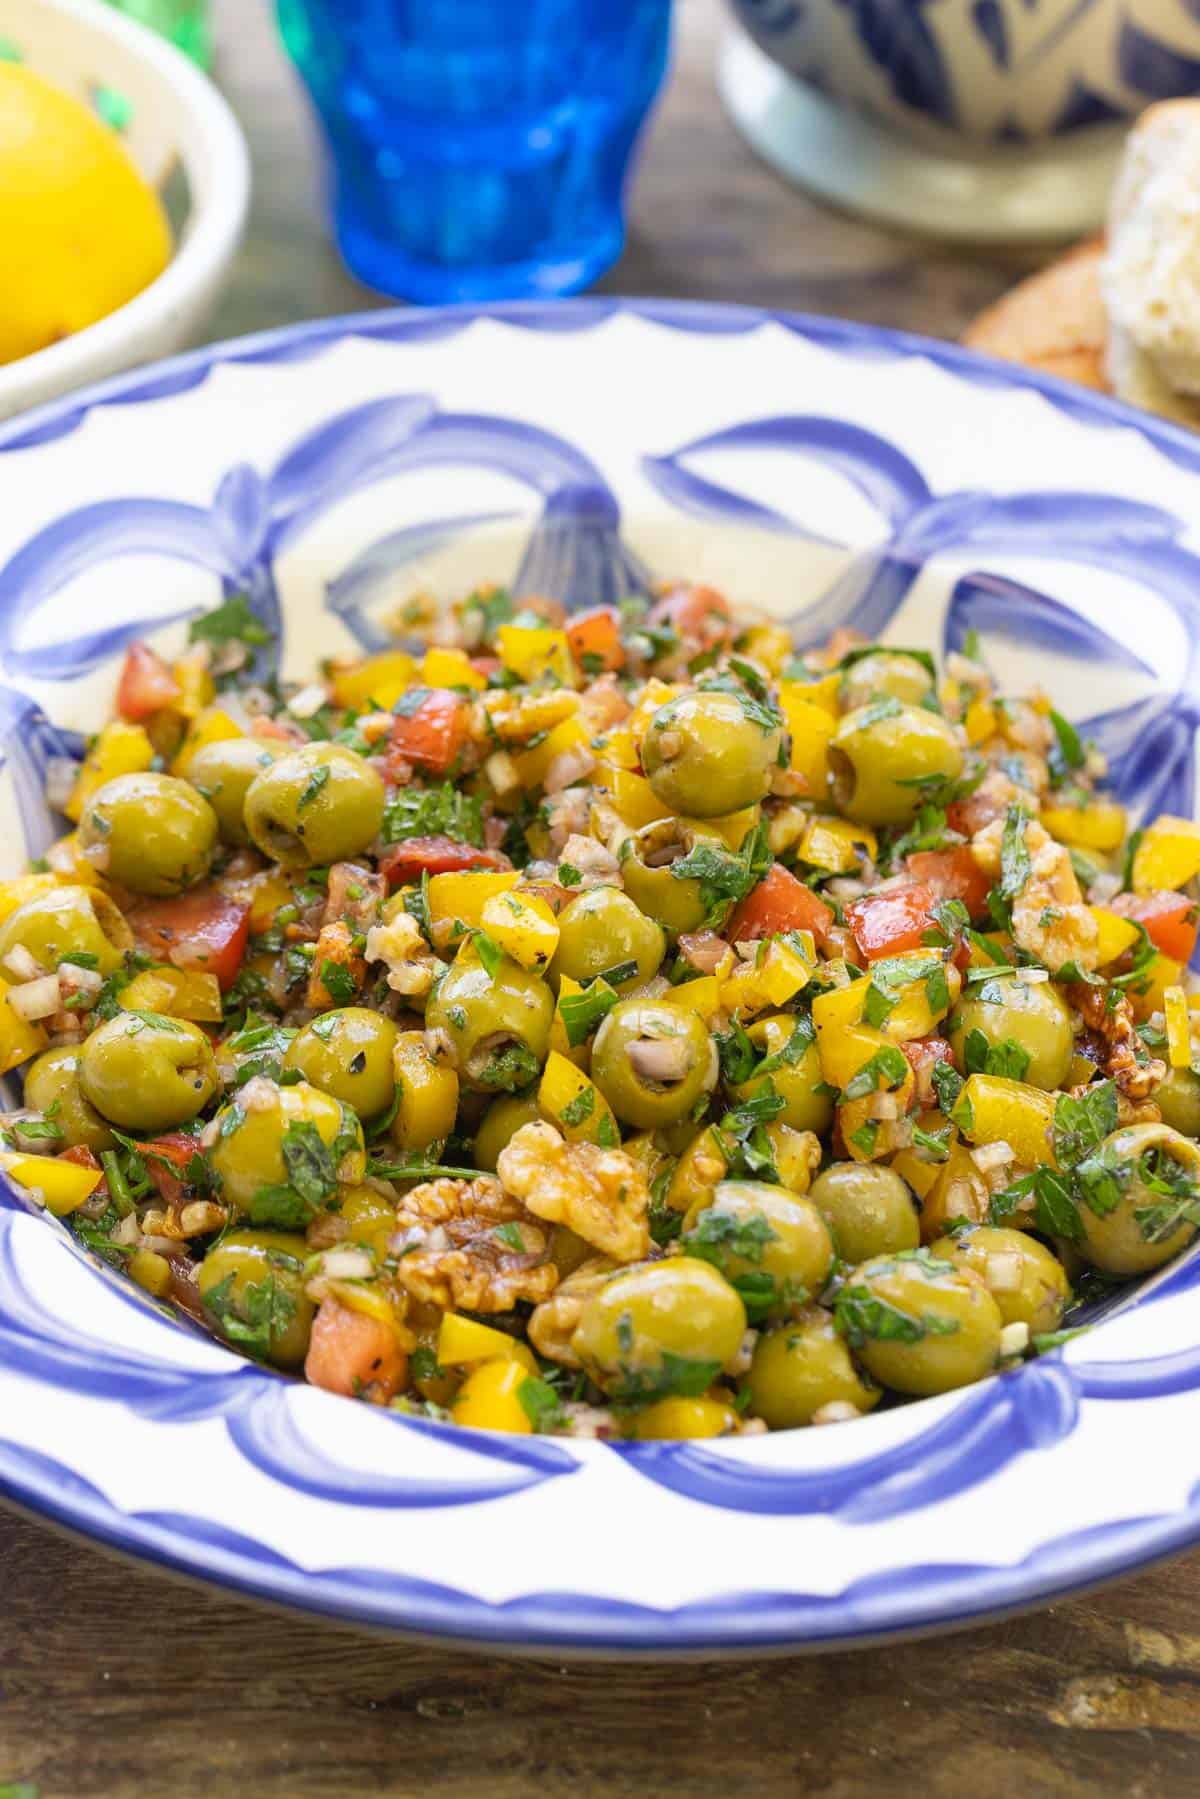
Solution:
(178, 117)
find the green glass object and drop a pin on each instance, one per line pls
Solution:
(185, 22)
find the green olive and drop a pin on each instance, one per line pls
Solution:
(1141, 1189)
(1005, 1010)
(66, 921)
(252, 1287)
(658, 1326)
(706, 754)
(883, 754)
(772, 1245)
(265, 1161)
(884, 674)
(602, 930)
(869, 1210)
(793, 1069)
(1178, 1099)
(317, 804)
(499, 1025)
(348, 1053)
(653, 1060)
(52, 1086)
(146, 1072)
(223, 772)
(801, 1366)
(648, 863)
(1026, 1280)
(918, 1324)
(151, 833)
(500, 1123)
(369, 1217)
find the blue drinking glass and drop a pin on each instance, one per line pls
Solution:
(480, 149)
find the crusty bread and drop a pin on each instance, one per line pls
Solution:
(1054, 321)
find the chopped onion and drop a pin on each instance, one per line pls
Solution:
(127, 1232)
(835, 1411)
(1033, 977)
(347, 1265)
(62, 772)
(36, 999)
(884, 1106)
(565, 769)
(501, 771)
(1002, 1271)
(1014, 1339)
(992, 1155)
(309, 701)
(20, 963)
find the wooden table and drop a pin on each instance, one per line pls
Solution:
(119, 1683)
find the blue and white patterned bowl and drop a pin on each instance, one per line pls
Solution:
(823, 471)
(996, 72)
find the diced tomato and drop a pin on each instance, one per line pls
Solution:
(431, 736)
(81, 1155)
(595, 640)
(922, 1056)
(779, 903)
(952, 874)
(349, 1352)
(279, 730)
(699, 614)
(487, 666)
(406, 862)
(201, 929)
(1169, 918)
(146, 684)
(889, 924)
(166, 1159)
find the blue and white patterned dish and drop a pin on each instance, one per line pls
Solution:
(827, 471)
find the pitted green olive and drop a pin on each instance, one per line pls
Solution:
(1178, 1099)
(317, 804)
(1027, 1282)
(252, 1287)
(52, 1086)
(653, 1060)
(151, 833)
(348, 1053)
(649, 861)
(1140, 1198)
(869, 1210)
(884, 674)
(1005, 1011)
(498, 1025)
(706, 753)
(146, 1072)
(66, 922)
(802, 1366)
(223, 773)
(660, 1328)
(884, 755)
(602, 932)
(500, 1123)
(264, 1157)
(772, 1245)
(918, 1324)
(788, 1059)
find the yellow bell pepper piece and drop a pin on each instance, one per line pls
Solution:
(1161, 973)
(210, 726)
(823, 693)
(796, 1155)
(699, 1170)
(1179, 1031)
(843, 1052)
(267, 892)
(837, 845)
(703, 995)
(531, 765)
(18, 1039)
(120, 749)
(427, 1094)
(450, 668)
(1114, 934)
(197, 688)
(179, 992)
(463, 896)
(632, 796)
(992, 1109)
(560, 1043)
(811, 726)
(533, 650)
(377, 682)
(523, 925)
(1168, 857)
(14, 893)
(769, 645)
(1080, 1072)
(1101, 825)
(771, 980)
(489, 1398)
(957, 1191)
(618, 748)
(679, 1420)
(917, 1174)
(151, 1271)
(839, 1007)
(462, 1341)
(569, 1100)
(732, 827)
(655, 693)
(979, 722)
(61, 1186)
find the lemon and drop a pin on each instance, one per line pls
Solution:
(80, 231)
